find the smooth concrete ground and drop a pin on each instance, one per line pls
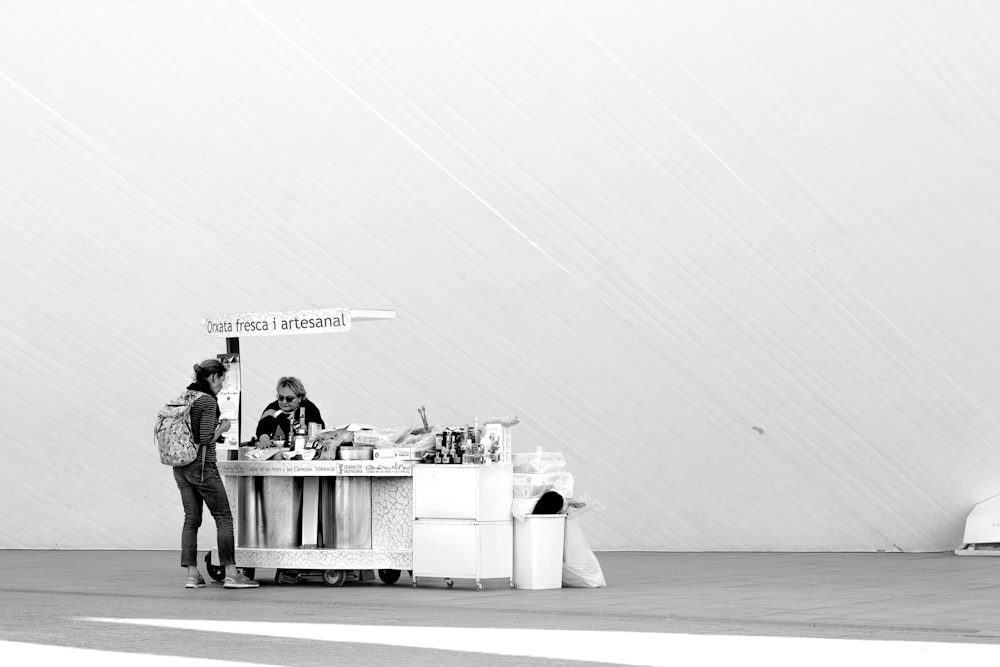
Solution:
(939, 597)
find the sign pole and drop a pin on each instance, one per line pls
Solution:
(233, 347)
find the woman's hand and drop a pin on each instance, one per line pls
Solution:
(263, 442)
(224, 425)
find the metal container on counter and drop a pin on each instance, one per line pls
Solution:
(356, 452)
(353, 502)
(251, 527)
(281, 512)
(270, 508)
(327, 512)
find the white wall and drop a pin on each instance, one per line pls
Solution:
(737, 261)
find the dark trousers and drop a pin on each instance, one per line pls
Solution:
(195, 493)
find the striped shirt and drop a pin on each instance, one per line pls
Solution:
(204, 420)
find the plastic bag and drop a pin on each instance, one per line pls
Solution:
(521, 507)
(503, 421)
(581, 568)
(581, 503)
(326, 443)
(529, 487)
(538, 462)
(533, 485)
(420, 442)
(379, 437)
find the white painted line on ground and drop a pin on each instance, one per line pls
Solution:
(658, 649)
(20, 653)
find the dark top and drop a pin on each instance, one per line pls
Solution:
(273, 417)
(204, 419)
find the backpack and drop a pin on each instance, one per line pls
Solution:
(172, 431)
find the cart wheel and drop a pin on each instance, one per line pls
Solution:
(510, 582)
(414, 580)
(216, 572)
(388, 576)
(449, 582)
(479, 586)
(334, 577)
(248, 571)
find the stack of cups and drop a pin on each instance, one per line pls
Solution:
(312, 432)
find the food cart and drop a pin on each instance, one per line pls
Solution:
(287, 516)
(337, 517)
(286, 512)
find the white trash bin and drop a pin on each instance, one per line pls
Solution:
(538, 551)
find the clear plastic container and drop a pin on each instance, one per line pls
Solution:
(533, 485)
(538, 462)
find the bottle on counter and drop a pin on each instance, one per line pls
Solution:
(299, 440)
(492, 455)
(444, 444)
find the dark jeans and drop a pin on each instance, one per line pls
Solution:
(211, 491)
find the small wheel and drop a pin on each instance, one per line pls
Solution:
(414, 580)
(248, 571)
(479, 586)
(449, 582)
(334, 577)
(216, 572)
(510, 582)
(388, 576)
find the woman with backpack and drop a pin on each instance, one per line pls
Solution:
(200, 483)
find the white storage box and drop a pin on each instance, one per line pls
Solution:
(383, 453)
(473, 492)
(463, 549)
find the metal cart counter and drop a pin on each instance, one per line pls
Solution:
(322, 515)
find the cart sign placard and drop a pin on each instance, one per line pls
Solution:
(278, 323)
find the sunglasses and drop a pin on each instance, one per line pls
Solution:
(287, 399)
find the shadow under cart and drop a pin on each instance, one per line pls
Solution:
(328, 577)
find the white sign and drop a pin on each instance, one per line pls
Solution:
(278, 323)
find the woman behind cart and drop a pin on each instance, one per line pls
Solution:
(291, 410)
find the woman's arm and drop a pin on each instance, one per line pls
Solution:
(266, 425)
(223, 426)
(268, 420)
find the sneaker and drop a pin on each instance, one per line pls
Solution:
(195, 581)
(239, 580)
